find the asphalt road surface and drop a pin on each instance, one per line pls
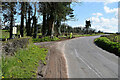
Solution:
(86, 60)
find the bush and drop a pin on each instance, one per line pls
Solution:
(108, 45)
(47, 38)
(9, 47)
(113, 37)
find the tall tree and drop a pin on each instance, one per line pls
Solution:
(8, 13)
(22, 18)
(26, 20)
(44, 10)
(56, 11)
(35, 22)
(30, 11)
(88, 25)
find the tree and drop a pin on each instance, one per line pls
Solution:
(28, 27)
(8, 14)
(22, 19)
(53, 12)
(43, 9)
(87, 26)
(35, 23)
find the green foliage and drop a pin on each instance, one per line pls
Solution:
(86, 35)
(108, 45)
(70, 35)
(5, 34)
(113, 37)
(24, 63)
(47, 38)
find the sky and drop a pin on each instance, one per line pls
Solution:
(103, 15)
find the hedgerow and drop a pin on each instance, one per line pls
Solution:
(106, 44)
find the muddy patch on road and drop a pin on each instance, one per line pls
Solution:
(56, 63)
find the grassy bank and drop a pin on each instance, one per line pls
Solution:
(108, 45)
(45, 39)
(4, 34)
(24, 63)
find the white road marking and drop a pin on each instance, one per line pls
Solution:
(94, 70)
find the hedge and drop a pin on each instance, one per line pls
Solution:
(11, 46)
(106, 44)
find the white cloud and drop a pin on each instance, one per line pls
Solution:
(104, 24)
(107, 1)
(97, 14)
(108, 10)
(110, 1)
(95, 19)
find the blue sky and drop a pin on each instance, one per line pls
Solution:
(103, 15)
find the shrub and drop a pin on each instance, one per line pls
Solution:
(113, 37)
(9, 47)
(108, 45)
(47, 38)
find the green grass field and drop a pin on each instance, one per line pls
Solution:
(24, 63)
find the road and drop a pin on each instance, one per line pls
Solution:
(85, 60)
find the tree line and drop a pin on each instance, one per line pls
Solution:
(53, 13)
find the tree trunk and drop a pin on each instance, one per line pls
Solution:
(52, 32)
(27, 32)
(11, 22)
(35, 23)
(58, 27)
(44, 24)
(22, 20)
(51, 26)
(11, 25)
(29, 23)
(35, 28)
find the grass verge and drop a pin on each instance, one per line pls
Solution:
(24, 63)
(44, 39)
(87, 35)
(108, 45)
(4, 33)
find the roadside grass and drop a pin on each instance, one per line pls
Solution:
(108, 45)
(45, 39)
(24, 63)
(61, 37)
(0, 67)
(4, 33)
(87, 35)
